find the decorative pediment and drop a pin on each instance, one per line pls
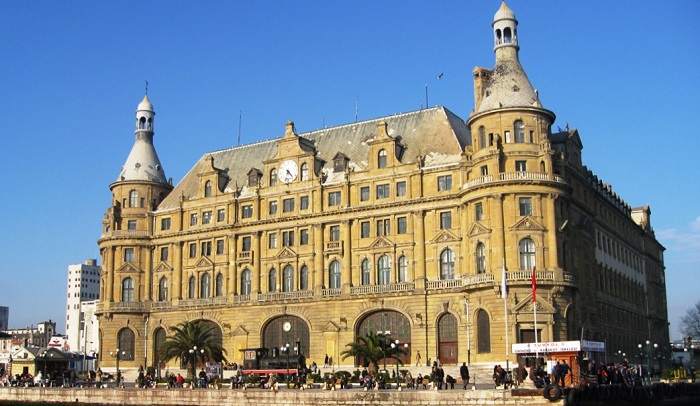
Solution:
(381, 242)
(331, 327)
(204, 262)
(286, 252)
(527, 223)
(445, 236)
(478, 228)
(240, 331)
(163, 267)
(128, 268)
(525, 306)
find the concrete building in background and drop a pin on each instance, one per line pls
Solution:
(83, 286)
(421, 224)
(4, 318)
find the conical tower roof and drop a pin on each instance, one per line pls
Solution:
(143, 164)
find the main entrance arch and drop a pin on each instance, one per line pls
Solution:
(447, 339)
(274, 337)
(395, 323)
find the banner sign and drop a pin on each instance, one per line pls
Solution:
(558, 346)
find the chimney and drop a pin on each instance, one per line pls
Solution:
(481, 77)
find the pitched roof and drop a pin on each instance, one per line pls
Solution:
(436, 134)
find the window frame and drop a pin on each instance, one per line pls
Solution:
(444, 183)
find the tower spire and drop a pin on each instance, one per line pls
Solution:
(505, 33)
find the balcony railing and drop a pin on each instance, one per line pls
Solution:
(127, 306)
(509, 176)
(334, 246)
(299, 294)
(245, 256)
(165, 304)
(241, 299)
(203, 302)
(527, 275)
(127, 233)
(330, 292)
(444, 284)
(391, 287)
(476, 279)
(570, 278)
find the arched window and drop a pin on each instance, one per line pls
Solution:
(192, 288)
(134, 198)
(207, 188)
(304, 278)
(482, 137)
(334, 275)
(245, 282)
(220, 284)
(483, 332)
(480, 258)
(447, 264)
(288, 279)
(273, 177)
(519, 128)
(527, 254)
(163, 289)
(381, 159)
(272, 280)
(403, 269)
(383, 270)
(205, 286)
(126, 344)
(366, 275)
(447, 338)
(127, 290)
(304, 171)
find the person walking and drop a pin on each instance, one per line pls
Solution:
(418, 358)
(464, 374)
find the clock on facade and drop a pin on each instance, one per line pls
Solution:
(286, 326)
(288, 171)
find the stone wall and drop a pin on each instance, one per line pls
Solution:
(86, 397)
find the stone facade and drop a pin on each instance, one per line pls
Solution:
(406, 224)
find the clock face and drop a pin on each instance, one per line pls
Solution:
(288, 171)
(287, 326)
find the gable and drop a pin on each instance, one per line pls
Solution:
(204, 262)
(527, 223)
(445, 236)
(286, 252)
(478, 228)
(128, 268)
(381, 242)
(162, 267)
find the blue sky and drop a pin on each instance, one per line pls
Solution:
(624, 73)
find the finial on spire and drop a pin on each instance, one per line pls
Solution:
(146, 88)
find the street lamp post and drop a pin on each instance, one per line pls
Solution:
(384, 335)
(193, 352)
(649, 347)
(397, 349)
(118, 355)
(286, 348)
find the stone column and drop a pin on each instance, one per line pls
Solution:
(419, 233)
(148, 289)
(255, 283)
(177, 272)
(318, 271)
(109, 290)
(346, 276)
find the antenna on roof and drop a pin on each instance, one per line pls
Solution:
(357, 102)
(426, 97)
(146, 88)
(240, 118)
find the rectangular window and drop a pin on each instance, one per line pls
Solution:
(382, 191)
(193, 250)
(444, 182)
(383, 227)
(364, 229)
(165, 223)
(445, 220)
(288, 205)
(219, 247)
(272, 240)
(401, 188)
(303, 237)
(334, 199)
(364, 193)
(206, 217)
(131, 225)
(484, 170)
(304, 203)
(478, 212)
(335, 233)
(507, 136)
(247, 211)
(163, 253)
(221, 215)
(401, 225)
(194, 219)
(525, 206)
(206, 248)
(273, 207)
(245, 244)
(128, 255)
(521, 166)
(287, 238)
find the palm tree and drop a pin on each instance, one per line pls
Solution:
(372, 348)
(189, 335)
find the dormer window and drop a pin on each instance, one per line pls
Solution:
(254, 177)
(340, 162)
(304, 171)
(207, 188)
(381, 159)
(273, 177)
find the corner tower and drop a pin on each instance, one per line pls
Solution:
(128, 224)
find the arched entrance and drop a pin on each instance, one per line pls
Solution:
(447, 339)
(275, 338)
(158, 340)
(395, 323)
